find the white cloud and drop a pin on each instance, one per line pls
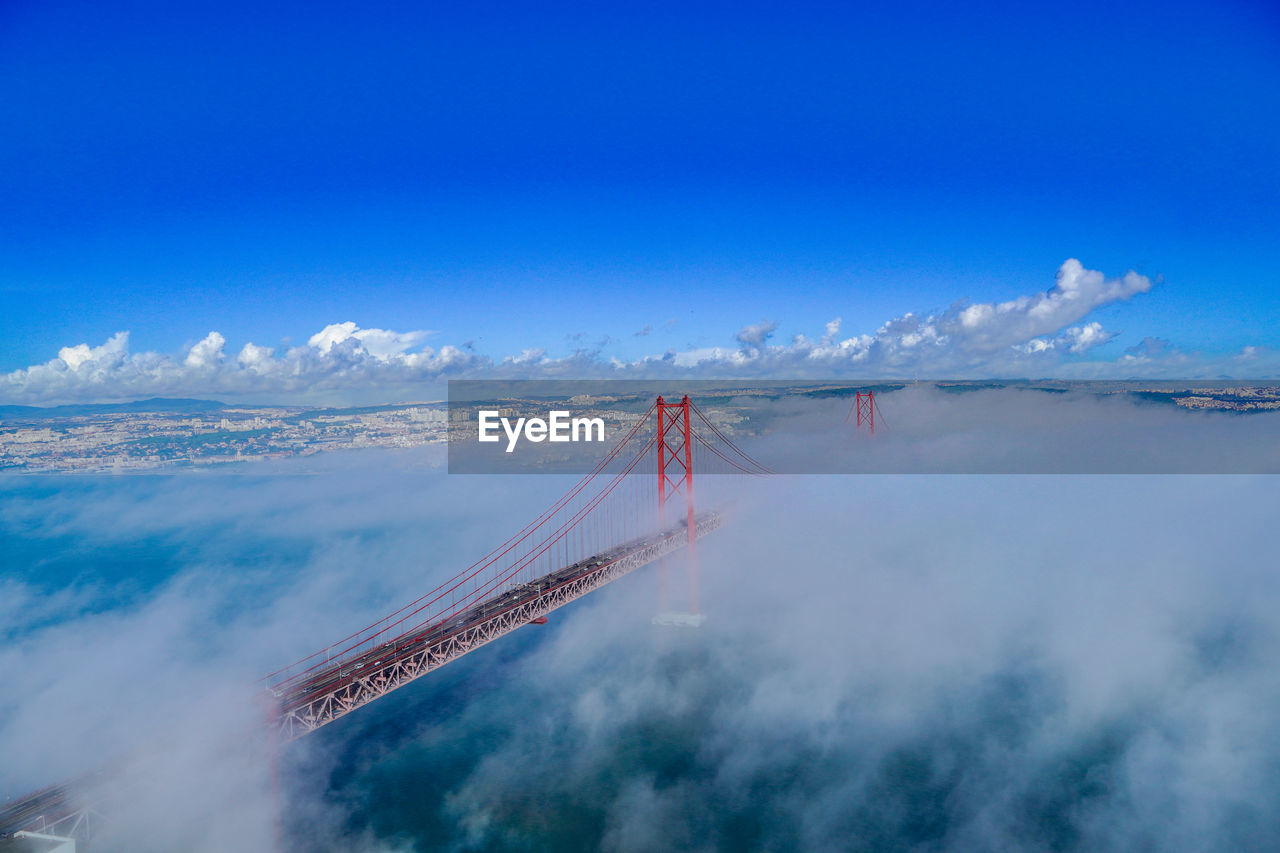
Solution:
(254, 357)
(208, 352)
(1076, 340)
(755, 336)
(382, 344)
(967, 333)
(341, 358)
(81, 356)
(980, 339)
(1044, 334)
(1088, 336)
(527, 356)
(991, 326)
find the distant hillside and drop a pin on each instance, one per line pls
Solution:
(155, 404)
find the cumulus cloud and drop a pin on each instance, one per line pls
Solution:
(341, 358)
(206, 353)
(83, 357)
(255, 358)
(1084, 338)
(988, 327)
(1004, 335)
(754, 337)
(381, 344)
(1045, 334)
(1030, 335)
(1076, 340)
(1150, 348)
(535, 355)
(1157, 356)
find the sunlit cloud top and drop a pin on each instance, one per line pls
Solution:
(1035, 335)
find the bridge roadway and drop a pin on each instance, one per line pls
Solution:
(339, 687)
(57, 809)
(35, 812)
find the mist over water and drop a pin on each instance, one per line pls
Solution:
(928, 429)
(922, 663)
(889, 662)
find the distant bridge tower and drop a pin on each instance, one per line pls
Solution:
(675, 480)
(865, 407)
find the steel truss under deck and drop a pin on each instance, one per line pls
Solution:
(303, 710)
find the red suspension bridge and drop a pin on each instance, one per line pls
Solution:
(614, 520)
(635, 507)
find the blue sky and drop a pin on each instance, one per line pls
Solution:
(555, 178)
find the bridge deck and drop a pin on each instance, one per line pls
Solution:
(58, 809)
(342, 686)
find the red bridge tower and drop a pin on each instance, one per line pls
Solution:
(865, 406)
(675, 479)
